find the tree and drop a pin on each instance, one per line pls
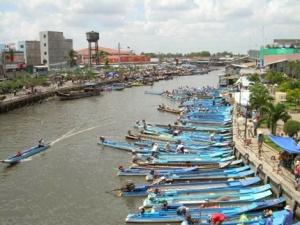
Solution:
(291, 127)
(293, 96)
(100, 56)
(72, 57)
(254, 78)
(273, 113)
(294, 69)
(274, 77)
(259, 96)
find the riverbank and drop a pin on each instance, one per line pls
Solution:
(266, 166)
(22, 98)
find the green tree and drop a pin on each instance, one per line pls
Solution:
(291, 127)
(273, 113)
(100, 56)
(293, 96)
(72, 57)
(294, 69)
(274, 77)
(254, 78)
(259, 96)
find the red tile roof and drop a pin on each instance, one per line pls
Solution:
(110, 51)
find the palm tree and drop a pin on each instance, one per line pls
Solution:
(72, 57)
(259, 96)
(100, 56)
(273, 113)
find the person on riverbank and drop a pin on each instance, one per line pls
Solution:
(260, 141)
(297, 174)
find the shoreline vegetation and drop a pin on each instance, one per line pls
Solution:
(27, 89)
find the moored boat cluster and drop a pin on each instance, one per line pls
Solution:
(195, 177)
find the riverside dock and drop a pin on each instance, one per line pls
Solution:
(267, 167)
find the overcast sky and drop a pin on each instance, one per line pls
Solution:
(155, 25)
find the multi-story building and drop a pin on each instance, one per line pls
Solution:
(54, 49)
(287, 42)
(32, 52)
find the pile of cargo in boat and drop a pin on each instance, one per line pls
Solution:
(191, 164)
(90, 90)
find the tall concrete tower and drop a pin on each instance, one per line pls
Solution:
(92, 37)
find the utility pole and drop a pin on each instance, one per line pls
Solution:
(119, 52)
(245, 134)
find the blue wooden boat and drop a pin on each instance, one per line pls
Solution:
(201, 215)
(25, 154)
(196, 192)
(189, 170)
(207, 176)
(199, 199)
(118, 86)
(165, 185)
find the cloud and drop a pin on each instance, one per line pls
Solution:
(155, 25)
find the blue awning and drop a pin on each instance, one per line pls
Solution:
(286, 143)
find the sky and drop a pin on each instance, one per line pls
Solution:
(155, 25)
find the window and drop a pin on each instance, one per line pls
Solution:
(45, 36)
(45, 53)
(45, 61)
(21, 46)
(44, 44)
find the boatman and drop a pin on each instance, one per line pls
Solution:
(182, 211)
(288, 216)
(216, 219)
(41, 143)
(180, 148)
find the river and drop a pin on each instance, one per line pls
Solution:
(68, 183)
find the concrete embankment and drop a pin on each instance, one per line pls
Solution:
(266, 167)
(9, 105)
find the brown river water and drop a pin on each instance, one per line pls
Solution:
(68, 183)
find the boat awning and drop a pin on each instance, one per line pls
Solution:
(286, 143)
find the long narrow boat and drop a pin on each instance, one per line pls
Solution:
(25, 154)
(170, 110)
(199, 199)
(181, 177)
(165, 185)
(145, 147)
(232, 213)
(190, 170)
(181, 194)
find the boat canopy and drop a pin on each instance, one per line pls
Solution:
(286, 143)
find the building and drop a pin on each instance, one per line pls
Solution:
(287, 42)
(254, 54)
(32, 52)
(277, 58)
(54, 49)
(114, 56)
(13, 60)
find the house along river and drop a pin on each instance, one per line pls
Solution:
(68, 183)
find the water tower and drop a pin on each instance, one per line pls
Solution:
(92, 37)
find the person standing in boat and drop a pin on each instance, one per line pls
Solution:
(41, 143)
(288, 216)
(180, 148)
(216, 219)
(168, 147)
(154, 147)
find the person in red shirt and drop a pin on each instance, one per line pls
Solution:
(216, 219)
